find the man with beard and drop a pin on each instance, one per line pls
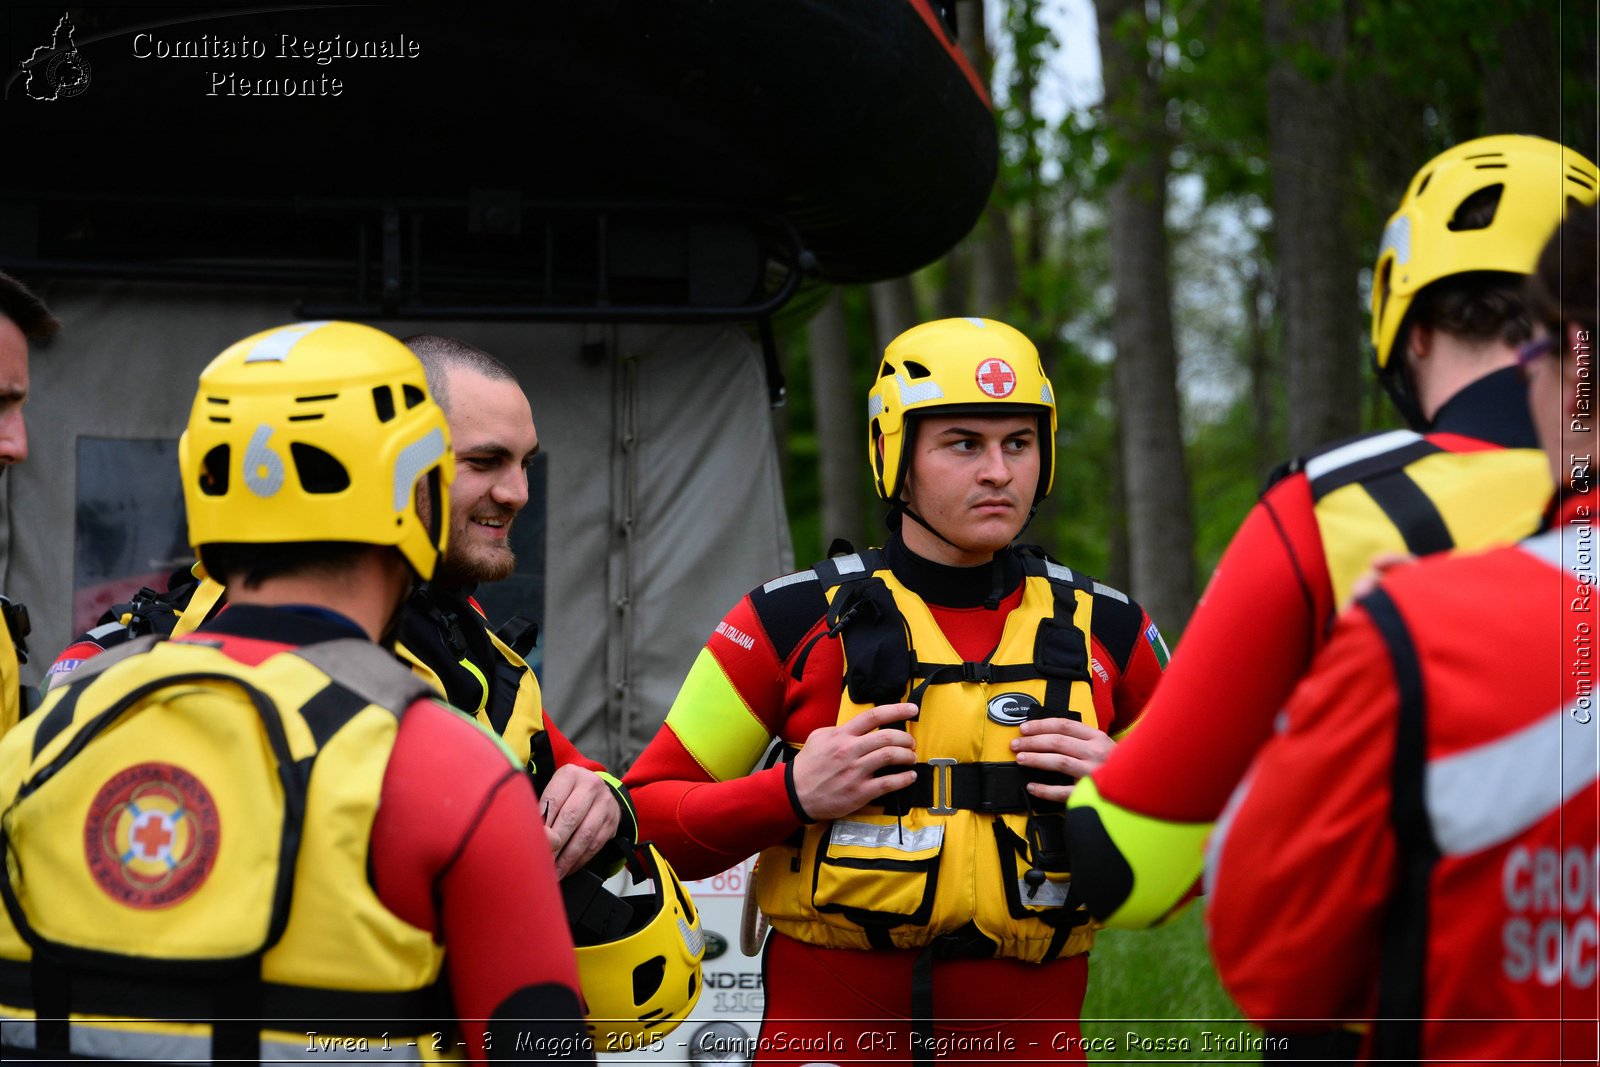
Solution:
(442, 633)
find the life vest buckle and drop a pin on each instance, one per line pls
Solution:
(943, 789)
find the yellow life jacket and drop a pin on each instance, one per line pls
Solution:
(15, 700)
(1399, 492)
(10, 683)
(964, 859)
(512, 706)
(187, 840)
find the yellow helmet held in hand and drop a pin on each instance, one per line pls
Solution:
(978, 366)
(1430, 237)
(642, 978)
(318, 431)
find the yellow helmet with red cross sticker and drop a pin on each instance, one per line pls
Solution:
(977, 366)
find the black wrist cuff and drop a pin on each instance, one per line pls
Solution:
(794, 796)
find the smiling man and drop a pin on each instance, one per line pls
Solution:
(444, 632)
(933, 701)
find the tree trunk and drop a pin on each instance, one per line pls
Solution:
(1521, 88)
(1316, 260)
(841, 464)
(1264, 386)
(1160, 528)
(993, 263)
(894, 310)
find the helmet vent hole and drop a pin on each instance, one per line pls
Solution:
(915, 370)
(647, 978)
(383, 401)
(318, 471)
(412, 394)
(1477, 211)
(885, 371)
(1423, 185)
(1578, 179)
(214, 472)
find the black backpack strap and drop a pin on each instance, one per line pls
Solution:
(1402, 970)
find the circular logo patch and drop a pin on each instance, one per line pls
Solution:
(151, 836)
(996, 378)
(1011, 709)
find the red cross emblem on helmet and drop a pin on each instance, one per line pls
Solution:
(151, 835)
(996, 378)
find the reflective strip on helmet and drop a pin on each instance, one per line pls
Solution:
(692, 940)
(1045, 396)
(275, 346)
(415, 458)
(874, 406)
(979, 323)
(1485, 796)
(263, 468)
(1397, 236)
(1356, 451)
(876, 835)
(920, 393)
(788, 580)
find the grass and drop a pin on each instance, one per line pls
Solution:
(1153, 992)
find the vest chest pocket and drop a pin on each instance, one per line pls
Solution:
(879, 871)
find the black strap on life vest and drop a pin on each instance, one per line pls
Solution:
(1412, 511)
(1387, 481)
(1366, 469)
(1397, 1035)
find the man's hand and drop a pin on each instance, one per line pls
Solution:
(1063, 745)
(580, 816)
(833, 774)
(1381, 565)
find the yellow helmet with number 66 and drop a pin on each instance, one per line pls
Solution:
(318, 431)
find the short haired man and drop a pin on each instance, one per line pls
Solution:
(265, 838)
(1447, 316)
(933, 701)
(1417, 844)
(442, 632)
(23, 318)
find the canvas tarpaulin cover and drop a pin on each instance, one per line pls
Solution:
(661, 500)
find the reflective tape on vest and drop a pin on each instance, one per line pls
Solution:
(1488, 795)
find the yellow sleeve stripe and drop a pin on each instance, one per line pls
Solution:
(714, 723)
(1166, 858)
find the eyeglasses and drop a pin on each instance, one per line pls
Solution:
(1533, 350)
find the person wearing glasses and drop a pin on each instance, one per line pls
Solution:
(1418, 844)
(1448, 313)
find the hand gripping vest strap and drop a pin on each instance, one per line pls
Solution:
(227, 985)
(965, 847)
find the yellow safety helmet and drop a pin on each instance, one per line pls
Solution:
(1425, 240)
(978, 366)
(317, 431)
(639, 984)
